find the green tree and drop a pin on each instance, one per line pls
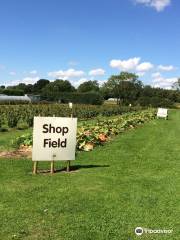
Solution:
(25, 88)
(40, 85)
(13, 92)
(89, 86)
(176, 85)
(54, 90)
(125, 87)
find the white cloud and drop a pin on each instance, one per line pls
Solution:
(162, 82)
(166, 68)
(30, 80)
(162, 86)
(68, 74)
(26, 80)
(125, 65)
(159, 5)
(101, 82)
(165, 81)
(97, 72)
(145, 66)
(132, 64)
(78, 82)
(82, 80)
(12, 73)
(140, 74)
(33, 72)
(156, 75)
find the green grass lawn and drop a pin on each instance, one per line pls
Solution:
(132, 181)
(6, 138)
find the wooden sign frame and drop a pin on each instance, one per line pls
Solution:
(52, 170)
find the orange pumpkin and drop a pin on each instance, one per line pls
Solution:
(102, 137)
(88, 146)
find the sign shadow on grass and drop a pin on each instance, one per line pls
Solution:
(74, 168)
(78, 167)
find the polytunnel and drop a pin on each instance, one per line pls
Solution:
(5, 98)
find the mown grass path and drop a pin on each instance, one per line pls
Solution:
(132, 181)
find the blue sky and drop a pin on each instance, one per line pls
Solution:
(93, 39)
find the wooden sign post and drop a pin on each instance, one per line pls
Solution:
(68, 162)
(35, 167)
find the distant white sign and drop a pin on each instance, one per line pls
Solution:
(54, 138)
(162, 113)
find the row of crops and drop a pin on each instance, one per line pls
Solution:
(92, 134)
(21, 116)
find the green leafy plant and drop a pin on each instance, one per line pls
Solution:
(92, 135)
(21, 124)
(4, 124)
(16, 113)
(25, 139)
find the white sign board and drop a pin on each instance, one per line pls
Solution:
(54, 138)
(162, 112)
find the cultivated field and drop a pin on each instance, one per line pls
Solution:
(132, 181)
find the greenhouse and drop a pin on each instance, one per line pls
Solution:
(5, 98)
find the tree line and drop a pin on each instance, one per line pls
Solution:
(125, 88)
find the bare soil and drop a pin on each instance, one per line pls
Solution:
(23, 151)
